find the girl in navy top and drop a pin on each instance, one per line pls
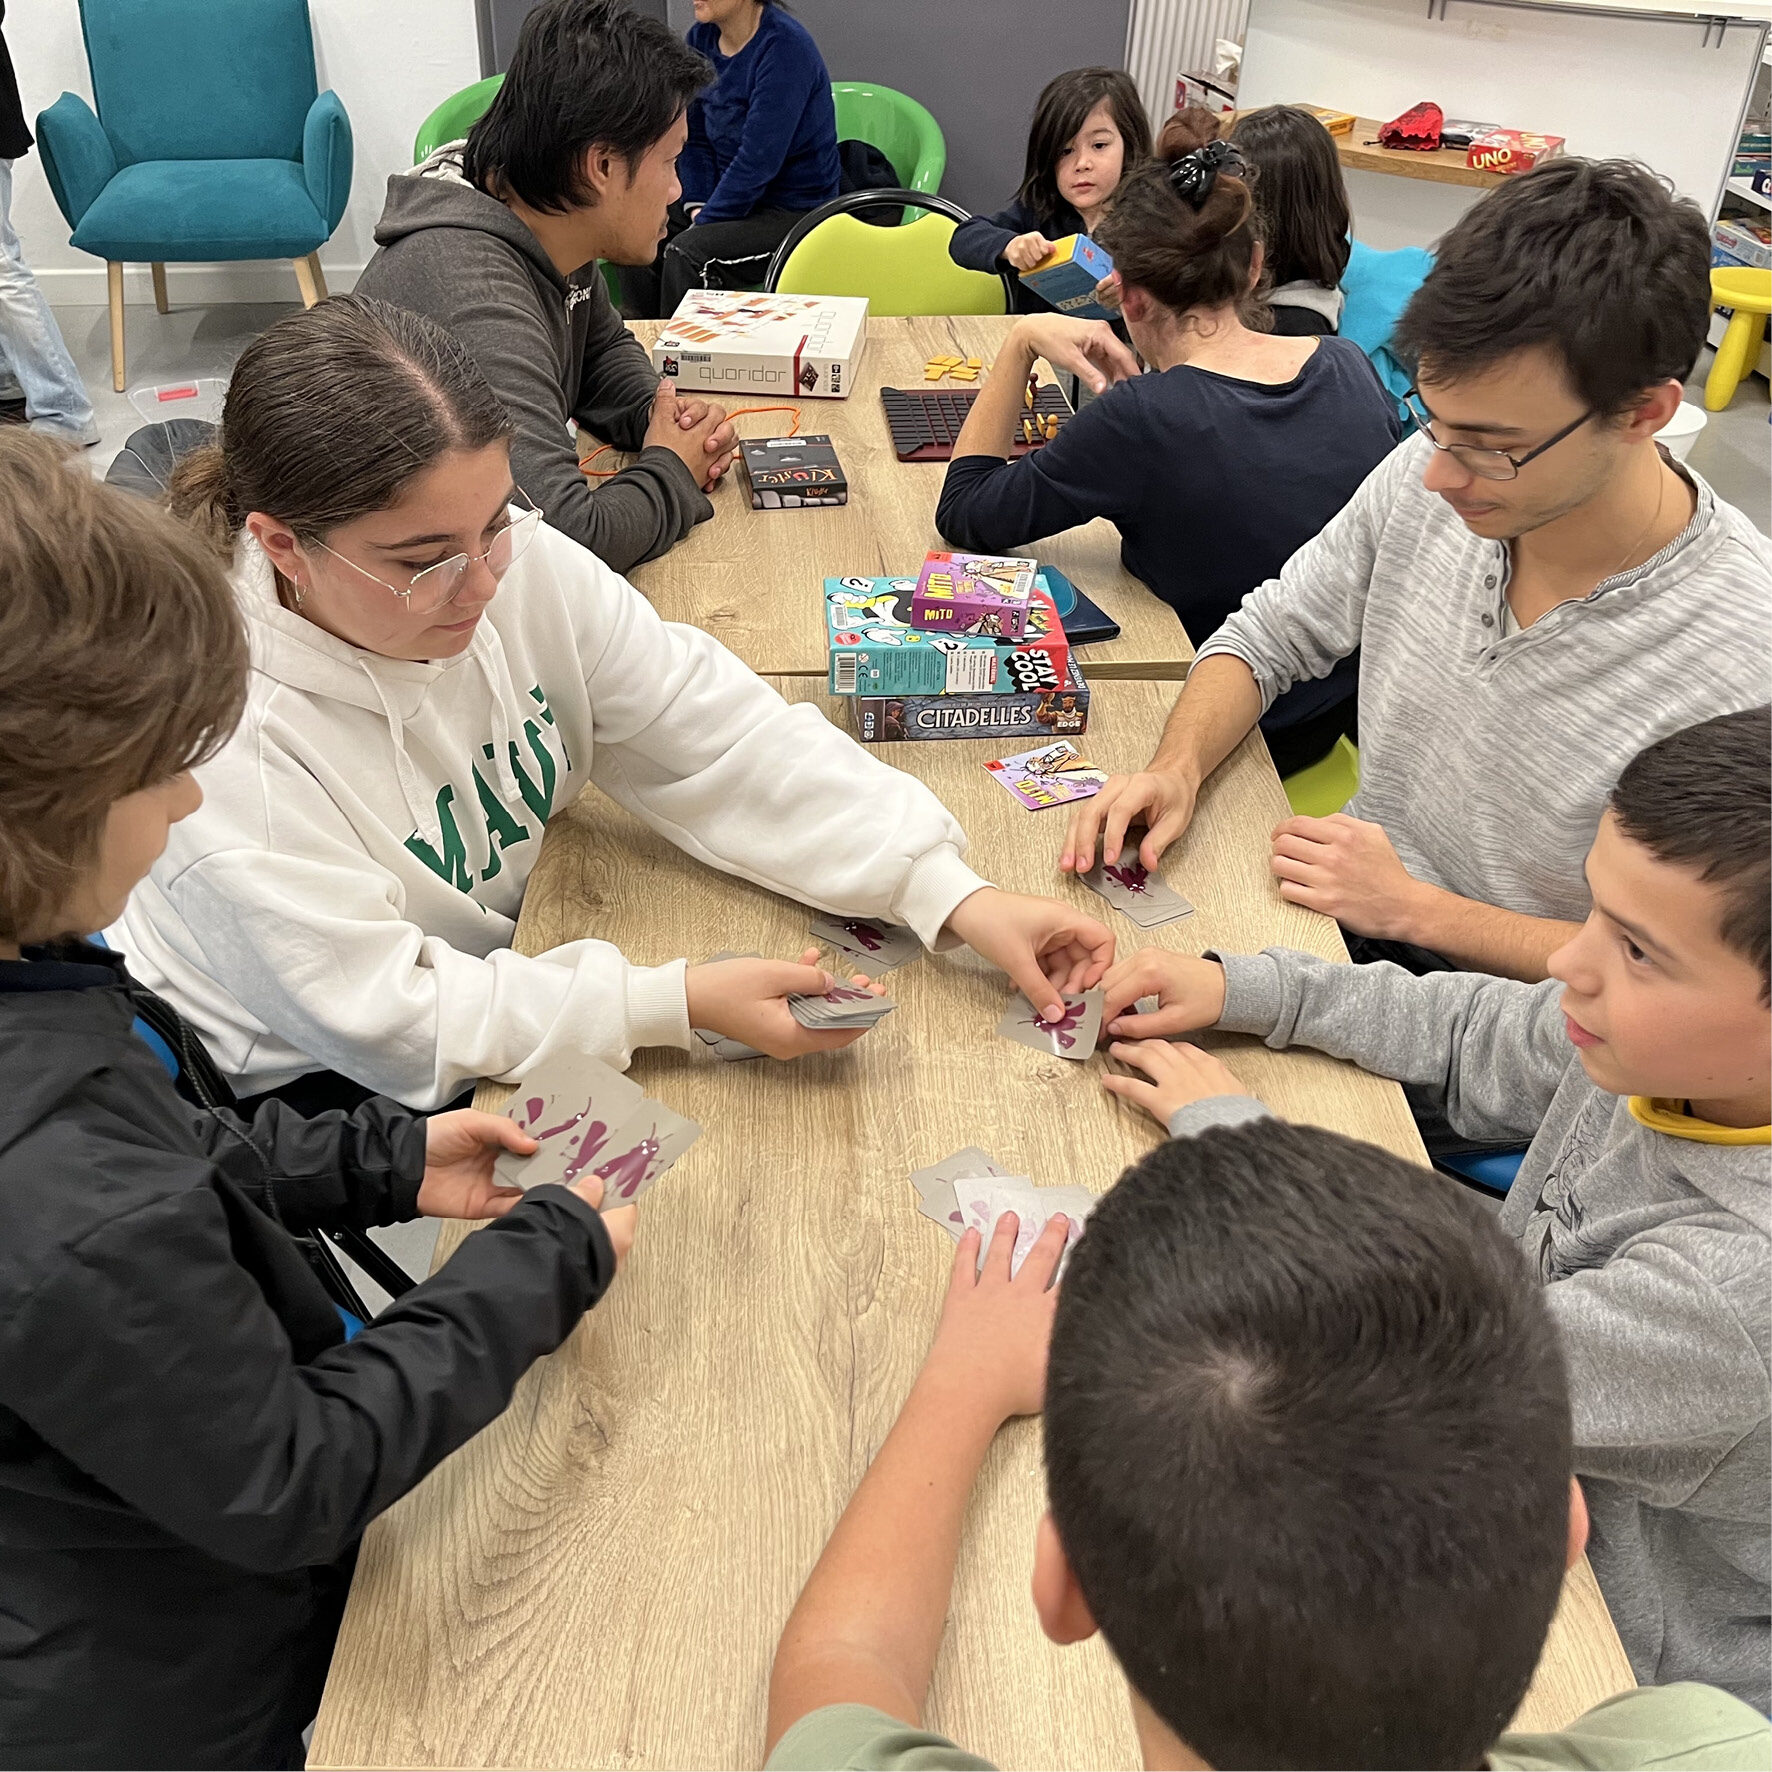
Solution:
(1229, 454)
(1089, 129)
(762, 152)
(1302, 209)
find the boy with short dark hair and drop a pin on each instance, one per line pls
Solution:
(1536, 589)
(498, 237)
(1307, 1458)
(1641, 1073)
(189, 1446)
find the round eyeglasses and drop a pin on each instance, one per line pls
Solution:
(438, 586)
(1486, 464)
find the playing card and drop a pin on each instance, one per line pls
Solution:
(1073, 1035)
(1050, 776)
(872, 947)
(570, 1104)
(732, 1051)
(970, 1161)
(1128, 886)
(649, 1141)
(843, 1006)
(935, 1186)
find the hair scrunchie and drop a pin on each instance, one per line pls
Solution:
(1193, 175)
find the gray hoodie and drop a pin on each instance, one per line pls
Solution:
(553, 348)
(1655, 1251)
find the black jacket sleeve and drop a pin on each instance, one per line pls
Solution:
(335, 1169)
(979, 244)
(149, 1357)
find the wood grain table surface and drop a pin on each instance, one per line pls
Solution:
(754, 578)
(598, 1579)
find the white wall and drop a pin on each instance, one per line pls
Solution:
(390, 62)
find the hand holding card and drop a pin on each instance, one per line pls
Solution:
(749, 1001)
(1130, 887)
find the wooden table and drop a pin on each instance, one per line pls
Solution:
(599, 1578)
(753, 578)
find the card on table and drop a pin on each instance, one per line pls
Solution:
(842, 1006)
(1051, 776)
(1130, 887)
(982, 1203)
(867, 944)
(1073, 1035)
(935, 1185)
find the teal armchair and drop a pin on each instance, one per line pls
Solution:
(210, 141)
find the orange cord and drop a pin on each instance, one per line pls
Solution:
(585, 468)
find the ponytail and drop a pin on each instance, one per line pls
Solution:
(200, 496)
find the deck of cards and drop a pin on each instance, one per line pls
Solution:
(968, 1191)
(1130, 887)
(842, 1007)
(1053, 775)
(1073, 1035)
(589, 1118)
(868, 945)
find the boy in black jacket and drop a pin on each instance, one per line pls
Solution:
(190, 1449)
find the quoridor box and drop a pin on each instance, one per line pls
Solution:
(792, 346)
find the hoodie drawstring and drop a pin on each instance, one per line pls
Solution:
(502, 742)
(423, 810)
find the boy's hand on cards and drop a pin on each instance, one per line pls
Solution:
(994, 1328)
(618, 1221)
(1048, 948)
(460, 1149)
(1026, 250)
(1189, 992)
(747, 1001)
(1178, 1075)
(1088, 349)
(1162, 802)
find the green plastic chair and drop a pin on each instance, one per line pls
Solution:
(455, 116)
(1327, 785)
(898, 126)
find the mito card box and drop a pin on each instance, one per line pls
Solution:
(1030, 718)
(725, 341)
(974, 594)
(874, 649)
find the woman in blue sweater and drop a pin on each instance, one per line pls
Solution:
(762, 152)
(1216, 465)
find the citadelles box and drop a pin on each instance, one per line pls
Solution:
(1032, 718)
(793, 346)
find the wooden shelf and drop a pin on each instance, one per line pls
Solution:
(1444, 166)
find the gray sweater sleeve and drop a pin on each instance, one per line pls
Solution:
(1488, 1051)
(1300, 625)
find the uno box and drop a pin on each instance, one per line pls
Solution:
(726, 341)
(973, 594)
(1066, 277)
(1031, 718)
(1511, 150)
(788, 472)
(874, 650)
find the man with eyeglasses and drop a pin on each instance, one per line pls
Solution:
(1538, 591)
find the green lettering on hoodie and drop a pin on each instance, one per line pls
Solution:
(452, 864)
(500, 825)
(540, 801)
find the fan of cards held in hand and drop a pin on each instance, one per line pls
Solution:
(968, 1191)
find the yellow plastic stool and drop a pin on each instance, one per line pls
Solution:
(1749, 294)
(1327, 785)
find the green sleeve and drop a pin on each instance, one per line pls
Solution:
(1688, 1727)
(858, 1738)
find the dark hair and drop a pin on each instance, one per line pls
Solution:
(1060, 111)
(1308, 1451)
(1185, 257)
(1700, 799)
(122, 663)
(329, 414)
(584, 74)
(1595, 258)
(1300, 197)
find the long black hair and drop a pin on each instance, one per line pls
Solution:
(1060, 112)
(1300, 197)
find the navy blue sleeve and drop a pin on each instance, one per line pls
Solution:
(979, 243)
(1094, 467)
(788, 71)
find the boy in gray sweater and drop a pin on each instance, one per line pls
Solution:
(1640, 1073)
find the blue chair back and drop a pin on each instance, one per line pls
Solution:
(201, 79)
(1378, 286)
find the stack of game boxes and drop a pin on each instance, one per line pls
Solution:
(970, 648)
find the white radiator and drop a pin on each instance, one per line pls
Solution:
(1168, 37)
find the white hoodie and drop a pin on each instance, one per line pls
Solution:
(345, 898)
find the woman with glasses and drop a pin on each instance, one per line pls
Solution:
(435, 671)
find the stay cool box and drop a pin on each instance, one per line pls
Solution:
(792, 346)
(874, 649)
(1028, 719)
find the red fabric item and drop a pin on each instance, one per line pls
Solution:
(1418, 128)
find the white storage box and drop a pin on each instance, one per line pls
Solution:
(791, 346)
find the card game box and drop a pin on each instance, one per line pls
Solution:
(874, 649)
(789, 472)
(1511, 150)
(1068, 274)
(727, 341)
(1036, 716)
(973, 594)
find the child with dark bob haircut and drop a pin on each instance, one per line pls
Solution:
(190, 1448)
(1301, 204)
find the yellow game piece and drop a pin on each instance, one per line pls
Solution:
(933, 374)
(974, 363)
(962, 375)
